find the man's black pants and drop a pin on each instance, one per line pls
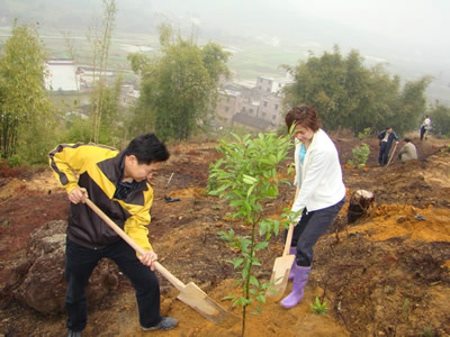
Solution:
(383, 157)
(81, 261)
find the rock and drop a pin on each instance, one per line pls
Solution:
(43, 285)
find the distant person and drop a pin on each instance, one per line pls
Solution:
(387, 138)
(118, 183)
(408, 151)
(320, 193)
(425, 127)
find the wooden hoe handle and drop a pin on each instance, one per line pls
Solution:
(287, 245)
(167, 275)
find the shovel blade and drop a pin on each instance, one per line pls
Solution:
(198, 300)
(280, 277)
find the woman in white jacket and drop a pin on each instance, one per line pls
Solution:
(320, 193)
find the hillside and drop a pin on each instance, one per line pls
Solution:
(386, 275)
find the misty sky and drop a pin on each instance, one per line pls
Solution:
(409, 36)
(409, 20)
(409, 27)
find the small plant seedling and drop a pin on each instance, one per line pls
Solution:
(360, 155)
(319, 307)
(364, 133)
(428, 332)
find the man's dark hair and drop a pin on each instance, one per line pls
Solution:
(148, 149)
(407, 139)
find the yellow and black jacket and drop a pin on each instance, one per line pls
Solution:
(99, 169)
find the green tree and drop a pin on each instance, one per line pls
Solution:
(246, 176)
(349, 95)
(440, 117)
(26, 119)
(78, 130)
(105, 124)
(214, 60)
(111, 129)
(411, 105)
(381, 102)
(179, 88)
(320, 81)
(101, 42)
(355, 91)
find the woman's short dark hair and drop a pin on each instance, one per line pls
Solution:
(303, 115)
(147, 149)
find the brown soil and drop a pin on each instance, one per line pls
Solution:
(386, 275)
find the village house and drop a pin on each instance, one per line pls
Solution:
(64, 75)
(257, 107)
(61, 75)
(87, 75)
(128, 94)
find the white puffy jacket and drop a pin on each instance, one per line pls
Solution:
(319, 179)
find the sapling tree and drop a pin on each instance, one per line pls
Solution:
(246, 176)
(360, 155)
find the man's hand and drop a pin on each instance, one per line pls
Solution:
(148, 259)
(77, 195)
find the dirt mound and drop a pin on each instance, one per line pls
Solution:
(420, 183)
(389, 274)
(399, 221)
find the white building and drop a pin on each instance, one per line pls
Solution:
(88, 75)
(61, 75)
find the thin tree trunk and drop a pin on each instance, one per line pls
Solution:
(100, 60)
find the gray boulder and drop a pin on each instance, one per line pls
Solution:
(43, 286)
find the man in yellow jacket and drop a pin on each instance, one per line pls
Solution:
(117, 183)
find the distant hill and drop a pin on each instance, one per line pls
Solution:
(263, 33)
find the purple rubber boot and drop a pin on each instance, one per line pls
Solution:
(292, 251)
(298, 286)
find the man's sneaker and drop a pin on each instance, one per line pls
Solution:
(165, 324)
(74, 333)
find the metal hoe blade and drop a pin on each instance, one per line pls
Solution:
(197, 299)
